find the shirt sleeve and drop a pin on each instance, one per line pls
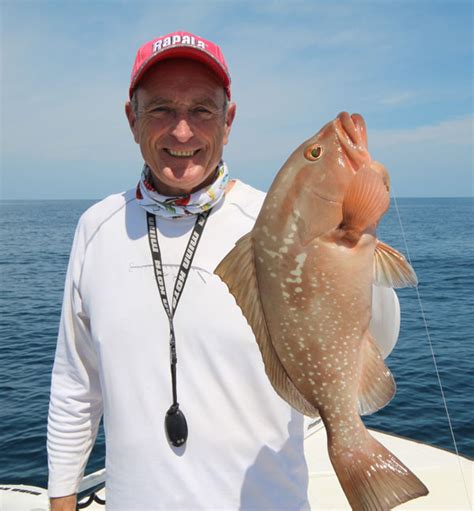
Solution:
(385, 322)
(75, 406)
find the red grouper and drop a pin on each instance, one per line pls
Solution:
(303, 278)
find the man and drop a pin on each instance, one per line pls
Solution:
(244, 446)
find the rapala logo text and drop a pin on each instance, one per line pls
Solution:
(161, 44)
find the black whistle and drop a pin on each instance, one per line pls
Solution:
(176, 426)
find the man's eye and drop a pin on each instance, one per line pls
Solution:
(161, 109)
(202, 111)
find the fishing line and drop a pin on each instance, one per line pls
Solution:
(430, 344)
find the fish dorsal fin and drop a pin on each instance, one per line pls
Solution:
(365, 201)
(237, 270)
(376, 384)
(391, 269)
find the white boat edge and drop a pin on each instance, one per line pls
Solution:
(449, 478)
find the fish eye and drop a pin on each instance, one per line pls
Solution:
(313, 152)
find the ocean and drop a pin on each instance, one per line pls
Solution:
(35, 239)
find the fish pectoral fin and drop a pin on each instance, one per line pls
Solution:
(376, 384)
(382, 172)
(365, 201)
(237, 271)
(391, 269)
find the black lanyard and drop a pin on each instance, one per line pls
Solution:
(175, 422)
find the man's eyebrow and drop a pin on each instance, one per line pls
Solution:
(161, 101)
(205, 102)
(158, 101)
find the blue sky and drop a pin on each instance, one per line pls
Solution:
(405, 65)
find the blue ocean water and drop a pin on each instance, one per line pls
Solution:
(35, 239)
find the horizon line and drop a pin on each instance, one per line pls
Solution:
(97, 200)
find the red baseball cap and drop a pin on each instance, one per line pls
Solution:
(176, 45)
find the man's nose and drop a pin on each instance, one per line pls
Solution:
(182, 131)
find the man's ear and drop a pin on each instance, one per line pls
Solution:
(132, 120)
(229, 119)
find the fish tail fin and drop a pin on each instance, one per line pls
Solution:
(365, 201)
(372, 478)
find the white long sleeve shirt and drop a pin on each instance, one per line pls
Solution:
(245, 444)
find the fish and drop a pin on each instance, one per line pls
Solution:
(303, 279)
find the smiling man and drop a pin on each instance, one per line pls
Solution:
(143, 310)
(181, 118)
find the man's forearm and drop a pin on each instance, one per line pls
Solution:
(63, 503)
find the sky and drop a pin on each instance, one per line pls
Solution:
(405, 65)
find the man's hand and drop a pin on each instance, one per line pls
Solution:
(63, 503)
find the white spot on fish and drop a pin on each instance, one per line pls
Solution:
(272, 253)
(297, 280)
(301, 258)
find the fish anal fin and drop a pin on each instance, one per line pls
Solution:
(376, 384)
(391, 269)
(374, 479)
(237, 271)
(365, 201)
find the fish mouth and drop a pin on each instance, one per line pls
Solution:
(352, 135)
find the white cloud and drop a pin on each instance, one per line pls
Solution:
(452, 132)
(398, 98)
(430, 160)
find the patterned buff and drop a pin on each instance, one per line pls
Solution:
(183, 205)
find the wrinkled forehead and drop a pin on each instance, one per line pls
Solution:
(184, 76)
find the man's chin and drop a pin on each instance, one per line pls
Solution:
(179, 181)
